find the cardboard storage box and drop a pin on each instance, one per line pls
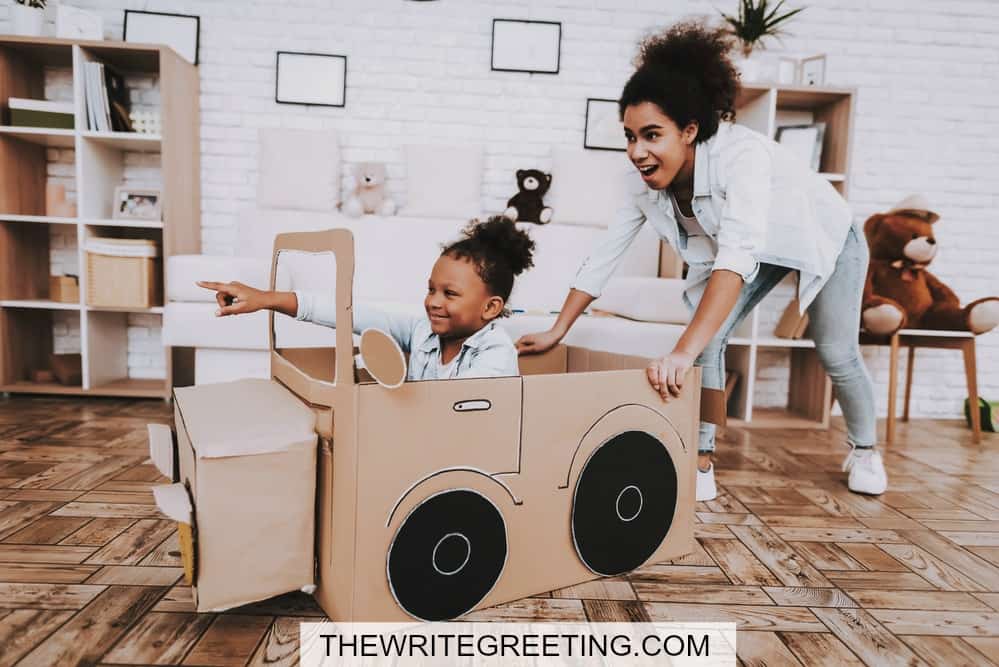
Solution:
(246, 488)
(64, 289)
(123, 273)
(439, 497)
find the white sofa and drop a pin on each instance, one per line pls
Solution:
(394, 256)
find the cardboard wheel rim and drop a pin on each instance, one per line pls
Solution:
(447, 555)
(624, 503)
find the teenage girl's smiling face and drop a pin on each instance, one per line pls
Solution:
(458, 302)
(662, 151)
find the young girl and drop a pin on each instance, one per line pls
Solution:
(742, 213)
(468, 289)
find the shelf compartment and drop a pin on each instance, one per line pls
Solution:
(26, 344)
(40, 135)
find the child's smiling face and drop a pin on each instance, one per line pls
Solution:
(458, 302)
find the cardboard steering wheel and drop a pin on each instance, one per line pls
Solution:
(383, 358)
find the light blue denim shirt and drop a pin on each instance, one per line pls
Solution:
(757, 202)
(489, 352)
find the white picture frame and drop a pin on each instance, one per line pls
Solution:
(813, 71)
(181, 32)
(137, 204)
(603, 129)
(788, 70)
(526, 46)
(76, 23)
(805, 141)
(311, 79)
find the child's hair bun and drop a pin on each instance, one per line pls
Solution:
(504, 241)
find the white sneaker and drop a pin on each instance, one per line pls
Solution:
(706, 489)
(867, 472)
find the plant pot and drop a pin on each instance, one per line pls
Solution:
(27, 21)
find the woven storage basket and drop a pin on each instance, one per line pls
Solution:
(123, 273)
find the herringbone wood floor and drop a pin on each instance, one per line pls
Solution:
(813, 574)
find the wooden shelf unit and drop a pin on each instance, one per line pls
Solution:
(764, 108)
(26, 313)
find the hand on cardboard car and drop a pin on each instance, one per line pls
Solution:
(236, 298)
(537, 343)
(666, 375)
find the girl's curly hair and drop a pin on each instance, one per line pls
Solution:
(685, 71)
(499, 251)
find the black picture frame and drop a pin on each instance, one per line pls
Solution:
(277, 79)
(197, 28)
(587, 123)
(558, 49)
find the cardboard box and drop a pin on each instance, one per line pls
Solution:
(123, 273)
(439, 497)
(64, 289)
(246, 466)
(67, 368)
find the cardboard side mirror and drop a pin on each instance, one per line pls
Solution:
(383, 358)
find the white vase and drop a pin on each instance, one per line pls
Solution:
(27, 20)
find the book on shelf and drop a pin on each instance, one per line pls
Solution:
(106, 99)
(41, 113)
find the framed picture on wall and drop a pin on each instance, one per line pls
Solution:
(137, 204)
(804, 141)
(181, 32)
(603, 131)
(526, 46)
(813, 71)
(314, 79)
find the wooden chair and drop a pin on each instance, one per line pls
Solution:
(913, 338)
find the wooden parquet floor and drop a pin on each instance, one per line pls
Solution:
(812, 573)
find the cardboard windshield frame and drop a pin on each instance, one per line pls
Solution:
(434, 498)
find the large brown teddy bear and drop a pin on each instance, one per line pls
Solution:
(900, 292)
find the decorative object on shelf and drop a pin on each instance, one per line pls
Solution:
(526, 46)
(900, 292)
(314, 79)
(804, 141)
(812, 71)
(787, 70)
(792, 323)
(67, 369)
(41, 113)
(56, 205)
(43, 376)
(76, 23)
(368, 191)
(147, 121)
(181, 32)
(756, 21)
(28, 17)
(603, 129)
(528, 205)
(989, 411)
(123, 273)
(64, 289)
(137, 204)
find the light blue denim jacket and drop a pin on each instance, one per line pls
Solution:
(489, 352)
(757, 202)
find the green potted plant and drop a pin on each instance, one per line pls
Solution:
(756, 20)
(28, 17)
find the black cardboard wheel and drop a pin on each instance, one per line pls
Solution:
(447, 555)
(624, 503)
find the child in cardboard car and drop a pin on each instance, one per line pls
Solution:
(467, 292)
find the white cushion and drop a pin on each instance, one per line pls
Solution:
(588, 186)
(258, 227)
(217, 365)
(298, 169)
(606, 334)
(183, 270)
(559, 251)
(645, 299)
(195, 325)
(443, 181)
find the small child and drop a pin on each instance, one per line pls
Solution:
(467, 291)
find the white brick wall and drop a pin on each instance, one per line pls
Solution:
(927, 115)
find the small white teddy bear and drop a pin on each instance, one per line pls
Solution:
(368, 195)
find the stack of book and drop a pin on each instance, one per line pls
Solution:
(107, 99)
(41, 113)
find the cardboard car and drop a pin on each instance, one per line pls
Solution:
(426, 500)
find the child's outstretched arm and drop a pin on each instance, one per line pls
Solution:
(236, 298)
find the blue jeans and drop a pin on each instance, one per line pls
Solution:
(834, 324)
